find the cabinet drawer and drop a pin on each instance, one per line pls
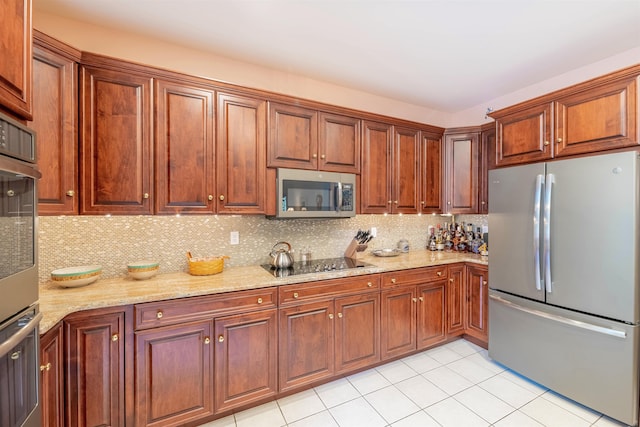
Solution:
(328, 288)
(161, 313)
(414, 276)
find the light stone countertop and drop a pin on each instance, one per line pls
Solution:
(57, 302)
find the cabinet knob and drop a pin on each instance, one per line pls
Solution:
(439, 273)
(145, 196)
(395, 201)
(423, 203)
(46, 367)
(70, 193)
(451, 280)
(390, 201)
(483, 202)
(323, 157)
(559, 140)
(331, 316)
(159, 314)
(11, 193)
(314, 155)
(210, 197)
(295, 295)
(485, 283)
(546, 143)
(369, 284)
(421, 299)
(414, 299)
(340, 315)
(207, 340)
(393, 280)
(221, 338)
(114, 337)
(259, 300)
(448, 203)
(221, 197)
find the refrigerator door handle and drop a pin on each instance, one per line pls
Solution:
(575, 323)
(536, 231)
(549, 181)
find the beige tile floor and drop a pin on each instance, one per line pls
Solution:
(455, 385)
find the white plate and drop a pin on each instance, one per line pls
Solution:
(386, 252)
(73, 277)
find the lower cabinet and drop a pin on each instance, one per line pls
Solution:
(51, 377)
(455, 301)
(96, 367)
(413, 310)
(477, 303)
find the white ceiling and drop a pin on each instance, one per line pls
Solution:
(447, 55)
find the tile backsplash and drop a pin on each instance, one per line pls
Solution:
(115, 241)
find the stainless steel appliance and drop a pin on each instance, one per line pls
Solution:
(19, 315)
(315, 194)
(564, 300)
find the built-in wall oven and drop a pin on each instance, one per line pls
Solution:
(19, 314)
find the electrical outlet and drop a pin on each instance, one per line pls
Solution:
(374, 231)
(234, 238)
(485, 229)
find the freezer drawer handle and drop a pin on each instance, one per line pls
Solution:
(560, 319)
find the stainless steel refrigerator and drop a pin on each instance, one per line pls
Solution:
(564, 300)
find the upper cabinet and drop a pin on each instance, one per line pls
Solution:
(55, 121)
(431, 174)
(375, 183)
(115, 144)
(15, 67)
(487, 161)
(405, 172)
(461, 172)
(600, 114)
(303, 138)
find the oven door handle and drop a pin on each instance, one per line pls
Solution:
(16, 338)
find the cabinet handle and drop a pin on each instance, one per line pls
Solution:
(145, 196)
(546, 143)
(482, 202)
(395, 201)
(485, 283)
(207, 340)
(340, 315)
(15, 355)
(46, 367)
(159, 314)
(259, 300)
(438, 273)
(71, 193)
(295, 295)
(414, 299)
(448, 203)
(421, 299)
(221, 197)
(559, 140)
(390, 201)
(11, 193)
(423, 203)
(323, 157)
(315, 156)
(331, 316)
(369, 284)
(393, 280)
(114, 337)
(451, 280)
(221, 338)
(210, 197)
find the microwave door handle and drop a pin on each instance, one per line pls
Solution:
(17, 338)
(339, 204)
(536, 230)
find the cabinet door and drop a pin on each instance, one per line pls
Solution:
(339, 143)
(455, 299)
(15, 67)
(51, 377)
(184, 148)
(293, 137)
(357, 331)
(241, 170)
(95, 369)
(603, 118)
(398, 321)
(431, 320)
(115, 116)
(477, 295)
(375, 188)
(431, 175)
(406, 175)
(55, 122)
(487, 162)
(246, 350)
(306, 344)
(461, 168)
(524, 136)
(174, 374)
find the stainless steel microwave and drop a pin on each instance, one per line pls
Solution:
(315, 194)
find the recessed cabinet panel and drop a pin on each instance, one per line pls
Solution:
(461, 169)
(357, 331)
(406, 161)
(293, 137)
(524, 136)
(339, 143)
(375, 188)
(431, 174)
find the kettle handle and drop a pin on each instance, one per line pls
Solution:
(281, 243)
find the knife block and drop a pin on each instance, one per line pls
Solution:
(353, 249)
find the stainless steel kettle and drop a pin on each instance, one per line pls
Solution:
(281, 257)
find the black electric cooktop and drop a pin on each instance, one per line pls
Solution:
(316, 266)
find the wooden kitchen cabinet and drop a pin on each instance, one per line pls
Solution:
(52, 377)
(430, 174)
(487, 162)
(55, 112)
(116, 158)
(405, 171)
(339, 143)
(174, 373)
(98, 367)
(326, 328)
(461, 172)
(413, 310)
(184, 148)
(477, 304)
(246, 358)
(455, 300)
(241, 155)
(15, 67)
